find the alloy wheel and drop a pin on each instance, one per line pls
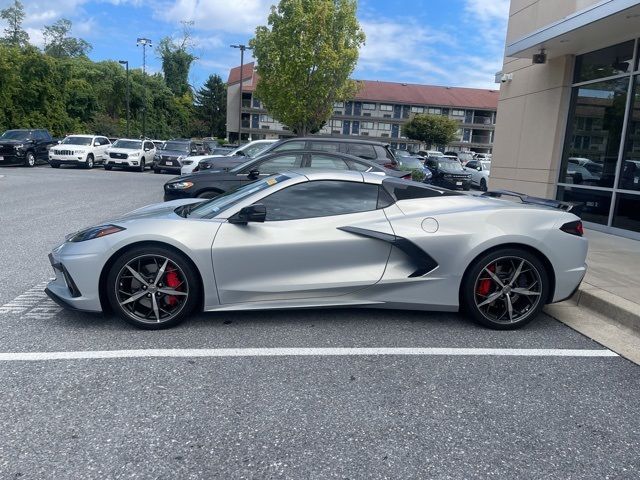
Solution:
(508, 290)
(151, 289)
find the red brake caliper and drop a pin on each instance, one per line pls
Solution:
(172, 281)
(484, 286)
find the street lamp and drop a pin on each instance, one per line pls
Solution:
(144, 42)
(126, 64)
(242, 49)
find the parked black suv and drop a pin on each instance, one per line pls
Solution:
(448, 173)
(169, 157)
(25, 147)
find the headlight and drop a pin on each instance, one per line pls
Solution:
(134, 154)
(187, 162)
(94, 232)
(180, 185)
(18, 147)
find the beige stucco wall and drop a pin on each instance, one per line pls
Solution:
(533, 107)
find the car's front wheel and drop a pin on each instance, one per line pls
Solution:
(153, 287)
(30, 160)
(483, 185)
(89, 163)
(505, 289)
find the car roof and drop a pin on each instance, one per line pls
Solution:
(335, 140)
(304, 151)
(83, 135)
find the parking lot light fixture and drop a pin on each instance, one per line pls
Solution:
(242, 48)
(126, 64)
(145, 42)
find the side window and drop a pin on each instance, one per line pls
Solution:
(360, 167)
(362, 151)
(321, 198)
(326, 161)
(472, 164)
(278, 164)
(97, 142)
(289, 146)
(104, 141)
(324, 146)
(432, 164)
(39, 135)
(382, 153)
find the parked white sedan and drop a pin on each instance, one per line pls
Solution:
(480, 171)
(80, 150)
(244, 152)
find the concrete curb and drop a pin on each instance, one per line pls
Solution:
(607, 304)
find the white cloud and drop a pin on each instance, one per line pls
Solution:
(238, 16)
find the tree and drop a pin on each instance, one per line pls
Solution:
(58, 43)
(14, 35)
(431, 129)
(211, 106)
(305, 57)
(176, 61)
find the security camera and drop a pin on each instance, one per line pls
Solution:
(506, 77)
(539, 58)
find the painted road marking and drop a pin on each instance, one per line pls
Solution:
(300, 352)
(33, 303)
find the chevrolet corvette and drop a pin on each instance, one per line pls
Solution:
(314, 239)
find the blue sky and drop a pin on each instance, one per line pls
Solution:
(442, 42)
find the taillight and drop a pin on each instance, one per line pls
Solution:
(391, 166)
(573, 228)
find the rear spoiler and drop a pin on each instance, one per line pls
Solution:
(575, 208)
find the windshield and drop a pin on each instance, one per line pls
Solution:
(450, 165)
(222, 202)
(401, 153)
(253, 150)
(410, 163)
(132, 144)
(16, 135)
(179, 146)
(77, 141)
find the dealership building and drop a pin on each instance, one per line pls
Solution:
(377, 112)
(569, 108)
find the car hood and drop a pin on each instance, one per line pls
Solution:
(14, 142)
(172, 153)
(156, 210)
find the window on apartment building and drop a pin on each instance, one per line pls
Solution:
(366, 125)
(336, 123)
(386, 107)
(434, 111)
(384, 126)
(266, 119)
(255, 102)
(417, 109)
(368, 106)
(338, 104)
(457, 113)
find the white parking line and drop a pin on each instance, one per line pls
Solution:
(33, 301)
(300, 352)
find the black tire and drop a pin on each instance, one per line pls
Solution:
(157, 170)
(142, 165)
(466, 188)
(54, 165)
(107, 167)
(30, 160)
(190, 283)
(483, 185)
(90, 162)
(470, 292)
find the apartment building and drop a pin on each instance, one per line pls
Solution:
(378, 112)
(569, 123)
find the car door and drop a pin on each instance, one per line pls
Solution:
(269, 165)
(41, 140)
(302, 250)
(472, 168)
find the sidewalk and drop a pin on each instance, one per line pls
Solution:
(607, 306)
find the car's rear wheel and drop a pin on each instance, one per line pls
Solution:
(505, 289)
(89, 163)
(107, 167)
(54, 165)
(157, 170)
(483, 185)
(153, 287)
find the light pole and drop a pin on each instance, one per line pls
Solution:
(242, 49)
(126, 64)
(144, 42)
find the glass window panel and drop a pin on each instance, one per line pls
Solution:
(295, 145)
(627, 213)
(325, 146)
(594, 130)
(604, 63)
(596, 203)
(630, 168)
(277, 164)
(320, 199)
(324, 161)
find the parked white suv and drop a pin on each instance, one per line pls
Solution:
(130, 153)
(85, 150)
(480, 171)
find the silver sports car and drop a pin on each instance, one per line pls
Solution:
(311, 239)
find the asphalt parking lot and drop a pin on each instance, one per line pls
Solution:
(448, 399)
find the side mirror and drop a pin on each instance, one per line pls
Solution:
(479, 169)
(252, 213)
(59, 142)
(240, 153)
(254, 173)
